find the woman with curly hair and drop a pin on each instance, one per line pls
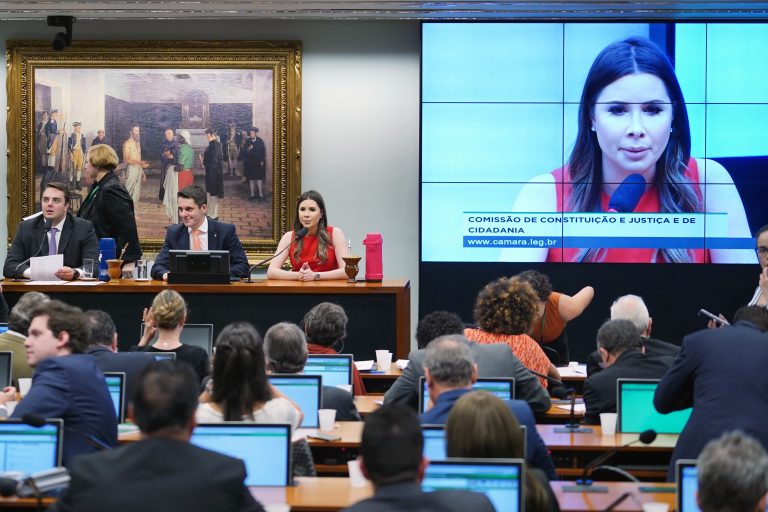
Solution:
(504, 312)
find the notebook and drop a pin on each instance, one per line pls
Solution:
(200, 335)
(502, 387)
(499, 479)
(264, 448)
(116, 387)
(634, 404)
(28, 449)
(305, 391)
(336, 369)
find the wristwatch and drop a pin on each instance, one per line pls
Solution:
(317, 276)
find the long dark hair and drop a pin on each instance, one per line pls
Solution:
(322, 226)
(239, 371)
(631, 56)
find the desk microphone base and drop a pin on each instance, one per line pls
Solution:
(573, 430)
(585, 488)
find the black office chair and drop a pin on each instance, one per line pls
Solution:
(303, 462)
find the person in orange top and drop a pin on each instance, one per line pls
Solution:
(325, 325)
(504, 311)
(555, 310)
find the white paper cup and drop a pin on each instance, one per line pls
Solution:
(327, 418)
(24, 384)
(356, 478)
(608, 423)
(655, 506)
(383, 361)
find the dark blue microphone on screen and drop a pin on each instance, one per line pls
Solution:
(627, 195)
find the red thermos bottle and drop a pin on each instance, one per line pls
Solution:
(374, 265)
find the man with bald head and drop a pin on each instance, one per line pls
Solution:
(632, 308)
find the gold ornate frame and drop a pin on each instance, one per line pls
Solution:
(283, 58)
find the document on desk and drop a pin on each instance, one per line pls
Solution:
(364, 366)
(576, 408)
(43, 268)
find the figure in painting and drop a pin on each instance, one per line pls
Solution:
(76, 154)
(255, 164)
(134, 174)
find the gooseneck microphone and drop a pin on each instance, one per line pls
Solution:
(35, 420)
(627, 195)
(561, 391)
(297, 236)
(46, 229)
(584, 483)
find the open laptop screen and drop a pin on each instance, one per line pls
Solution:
(116, 387)
(264, 448)
(6, 365)
(336, 369)
(499, 479)
(502, 387)
(305, 391)
(200, 335)
(30, 449)
(636, 410)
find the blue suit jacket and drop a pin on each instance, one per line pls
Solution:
(221, 237)
(536, 453)
(721, 374)
(73, 389)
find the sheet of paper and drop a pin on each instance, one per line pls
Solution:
(43, 268)
(402, 363)
(573, 371)
(582, 408)
(364, 366)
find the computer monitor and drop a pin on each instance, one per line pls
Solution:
(3, 327)
(634, 404)
(198, 267)
(336, 369)
(200, 335)
(306, 391)
(687, 484)
(6, 368)
(264, 448)
(116, 387)
(163, 356)
(502, 387)
(499, 479)
(436, 447)
(28, 449)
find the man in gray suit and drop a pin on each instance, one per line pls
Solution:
(495, 360)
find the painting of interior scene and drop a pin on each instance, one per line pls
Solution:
(161, 122)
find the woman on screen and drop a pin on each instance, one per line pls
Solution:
(633, 121)
(316, 252)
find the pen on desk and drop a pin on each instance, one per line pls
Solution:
(618, 501)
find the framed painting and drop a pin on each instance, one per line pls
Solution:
(141, 98)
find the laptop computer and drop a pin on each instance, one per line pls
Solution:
(501, 480)
(306, 391)
(28, 449)
(336, 369)
(200, 335)
(634, 403)
(6, 368)
(502, 387)
(436, 447)
(116, 387)
(265, 448)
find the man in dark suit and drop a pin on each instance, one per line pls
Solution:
(495, 360)
(163, 471)
(285, 348)
(198, 232)
(721, 374)
(632, 308)
(450, 373)
(66, 384)
(56, 231)
(391, 457)
(620, 347)
(103, 348)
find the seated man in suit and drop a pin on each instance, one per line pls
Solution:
(163, 471)
(66, 384)
(621, 349)
(732, 474)
(56, 231)
(391, 457)
(198, 232)
(103, 348)
(450, 372)
(285, 348)
(496, 360)
(632, 308)
(13, 339)
(721, 374)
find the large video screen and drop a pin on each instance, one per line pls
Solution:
(593, 142)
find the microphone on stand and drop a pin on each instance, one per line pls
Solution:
(46, 228)
(297, 236)
(562, 391)
(584, 483)
(627, 195)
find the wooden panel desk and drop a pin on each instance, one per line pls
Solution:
(583, 501)
(314, 494)
(366, 404)
(379, 313)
